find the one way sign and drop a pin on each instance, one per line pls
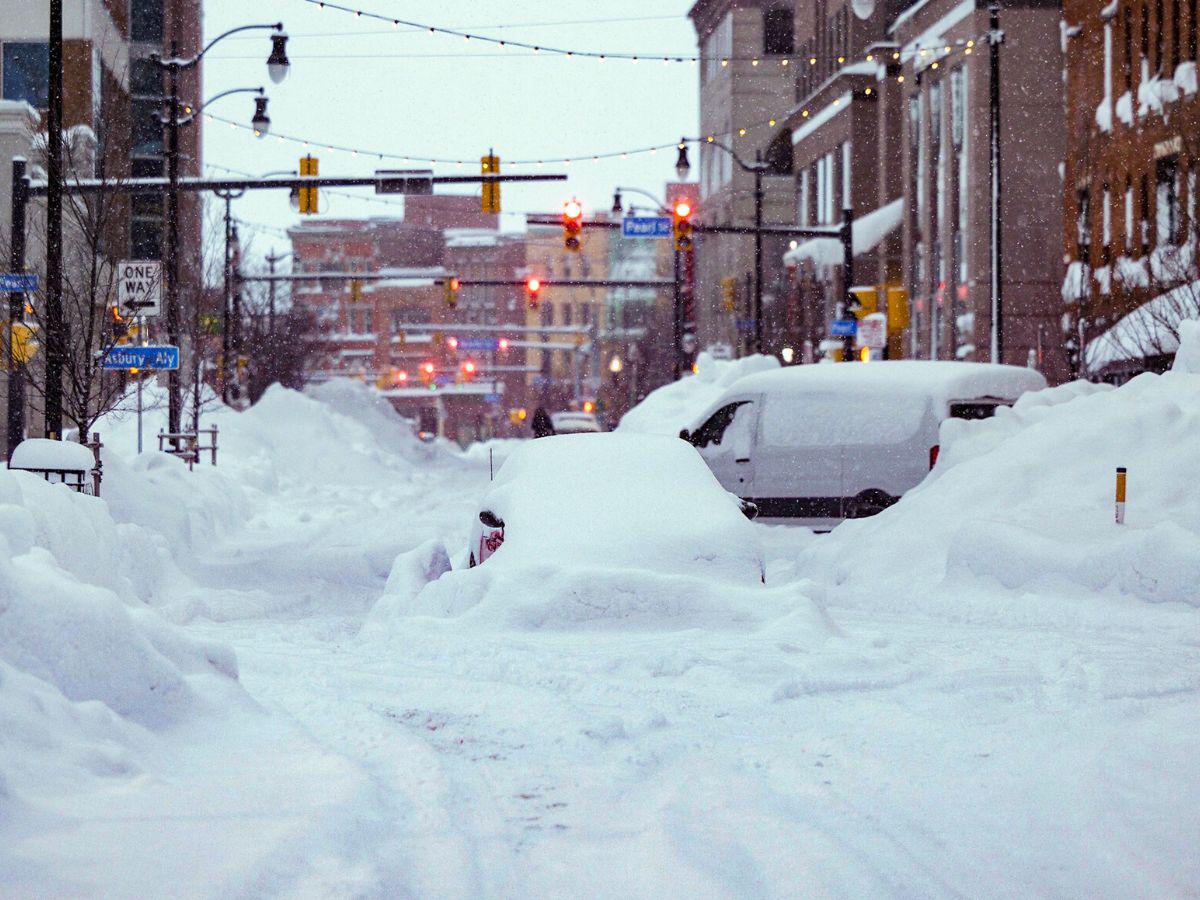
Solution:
(139, 287)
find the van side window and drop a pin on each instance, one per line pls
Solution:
(975, 409)
(712, 431)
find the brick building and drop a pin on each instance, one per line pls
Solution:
(746, 88)
(1130, 224)
(395, 329)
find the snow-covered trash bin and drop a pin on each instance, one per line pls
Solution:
(61, 462)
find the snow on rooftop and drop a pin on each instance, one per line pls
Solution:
(869, 232)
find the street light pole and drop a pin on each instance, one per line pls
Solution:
(16, 307)
(56, 338)
(995, 39)
(758, 252)
(277, 65)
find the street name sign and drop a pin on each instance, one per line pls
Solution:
(19, 282)
(646, 227)
(844, 328)
(139, 287)
(149, 358)
(478, 343)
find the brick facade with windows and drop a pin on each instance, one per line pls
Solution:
(1129, 191)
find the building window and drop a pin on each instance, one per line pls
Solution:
(1128, 213)
(1166, 201)
(1145, 220)
(779, 154)
(1106, 226)
(803, 210)
(1174, 34)
(777, 31)
(958, 140)
(1127, 21)
(147, 129)
(27, 74)
(146, 20)
(1158, 36)
(145, 79)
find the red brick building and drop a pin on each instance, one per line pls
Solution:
(1133, 127)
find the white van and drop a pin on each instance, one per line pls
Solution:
(816, 444)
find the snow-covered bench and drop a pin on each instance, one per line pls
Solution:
(76, 465)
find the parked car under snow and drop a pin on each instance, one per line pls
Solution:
(626, 502)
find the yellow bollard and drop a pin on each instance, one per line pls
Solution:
(1120, 495)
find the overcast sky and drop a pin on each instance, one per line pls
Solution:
(362, 83)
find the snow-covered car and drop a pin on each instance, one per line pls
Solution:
(615, 501)
(574, 423)
(818, 444)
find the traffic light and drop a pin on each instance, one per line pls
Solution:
(451, 287)
(572, 218)
(729, 294)
(355, 291)
(490, 165)
(683, 226)
(399, 377)
(427, 370)
(120, 328)
(533, 288)
(469, 370)
(308, 195)
(503, 344)
(24, 342)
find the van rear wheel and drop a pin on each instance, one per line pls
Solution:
(869, 503)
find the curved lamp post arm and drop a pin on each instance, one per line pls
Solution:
(742, 164)
(211, 100)
(178, 63)
(662, 207)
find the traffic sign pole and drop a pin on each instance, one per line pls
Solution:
(16, 307)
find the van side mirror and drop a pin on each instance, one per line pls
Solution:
(490, 519)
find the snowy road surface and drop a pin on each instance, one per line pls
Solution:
(981, 742)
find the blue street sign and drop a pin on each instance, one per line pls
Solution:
(844, 328)
(491, 398)
(478, 343)
(443, 380)
(745, 326)
(21, 282)
(646, 227)
(150, 358)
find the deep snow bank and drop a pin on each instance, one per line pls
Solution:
(679, 404)
(1026, 499)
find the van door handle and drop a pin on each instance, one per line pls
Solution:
(746, 460)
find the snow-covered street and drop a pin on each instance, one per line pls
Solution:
(863, 736)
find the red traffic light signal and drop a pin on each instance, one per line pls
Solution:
(533, 287)
(682, 215)
(572, 218)
(503, 344)
(469, 369)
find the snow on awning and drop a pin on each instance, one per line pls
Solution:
(1150, 330)
(868, 233)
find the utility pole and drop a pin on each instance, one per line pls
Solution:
(16, 306)
(56, 338)
(849, 301)
(758, 252)
(995, 39)
(226, 296)
(174, 404)
(677, 320)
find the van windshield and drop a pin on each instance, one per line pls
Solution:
(799, 419)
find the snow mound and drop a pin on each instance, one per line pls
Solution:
(410, 573)
(355, 400)
(679, 404)
(78, 644)
(1187, 358)
(1026, 500)
(590, 598)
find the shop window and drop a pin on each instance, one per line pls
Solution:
(27, 74)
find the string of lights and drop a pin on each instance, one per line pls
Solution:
(601, 56)
(931, 56)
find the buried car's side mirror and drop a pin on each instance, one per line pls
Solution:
(685, 435)
(490, 519)
(749, 510)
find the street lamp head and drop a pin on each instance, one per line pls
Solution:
(682, 165)
(278, 63)
(261, 121)
(618, 208)
(615, 365)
